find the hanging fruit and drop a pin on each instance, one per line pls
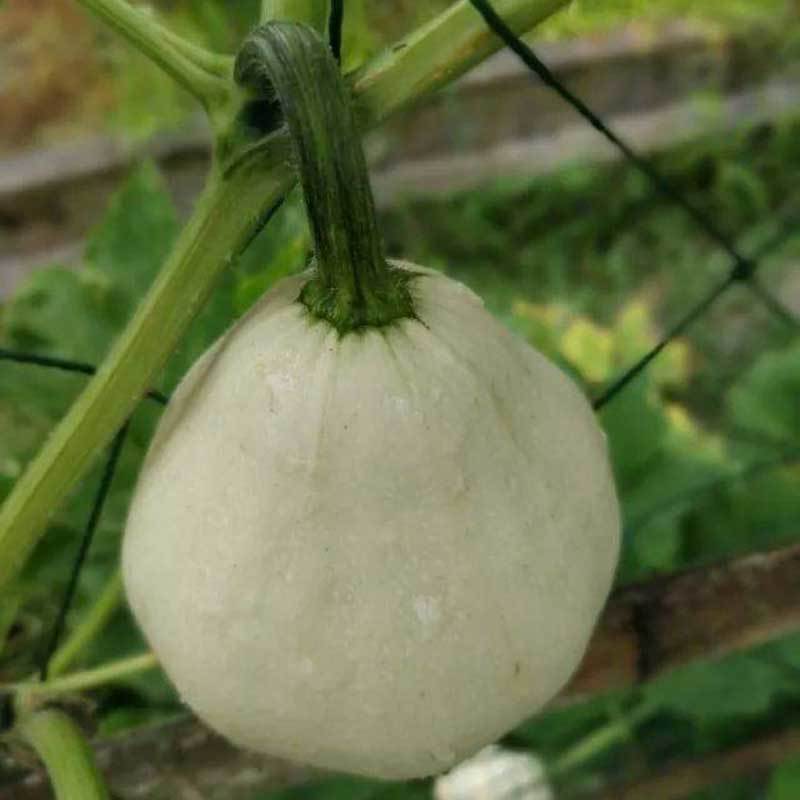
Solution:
(374, 530)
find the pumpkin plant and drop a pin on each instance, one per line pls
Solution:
(367, 490)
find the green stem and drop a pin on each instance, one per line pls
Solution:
(213, 63)
(602, 739)
(226, 217)
(66, 754)
(354, 286)
(81, 681)
(311, 12)
(437, 53)
(200, 72)
(89, 628)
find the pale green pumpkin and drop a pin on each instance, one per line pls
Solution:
(374, 553)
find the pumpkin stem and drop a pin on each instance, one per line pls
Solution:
(294, 79)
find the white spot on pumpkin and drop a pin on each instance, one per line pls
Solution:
(306, 666)
(428, 610)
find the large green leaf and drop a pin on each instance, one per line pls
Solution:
(743, 685)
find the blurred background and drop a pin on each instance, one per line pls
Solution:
(496, 182)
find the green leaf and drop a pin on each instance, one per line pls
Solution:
(744, 685)
(656, 546)
(785, 782)
(765, 400)
(756, 512)
(135, 237)
(57, 312)
(787, 650)
(76, 314)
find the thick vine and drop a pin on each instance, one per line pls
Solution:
(354, 286)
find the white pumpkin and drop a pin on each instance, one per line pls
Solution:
(376, 552)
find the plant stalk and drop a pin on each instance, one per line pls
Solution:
(601, 740)
(91, 625)
(353, 285)
(226, 217)
(66, 754)
(81, 681)
(202, 73)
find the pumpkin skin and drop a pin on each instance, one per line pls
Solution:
(373, 553)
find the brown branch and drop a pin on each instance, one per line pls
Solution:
(681, 779)
(701, 614)
(645, 630)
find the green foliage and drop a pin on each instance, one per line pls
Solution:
(745, 685)
(761, 508)
(765, 402)
(785, 782)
